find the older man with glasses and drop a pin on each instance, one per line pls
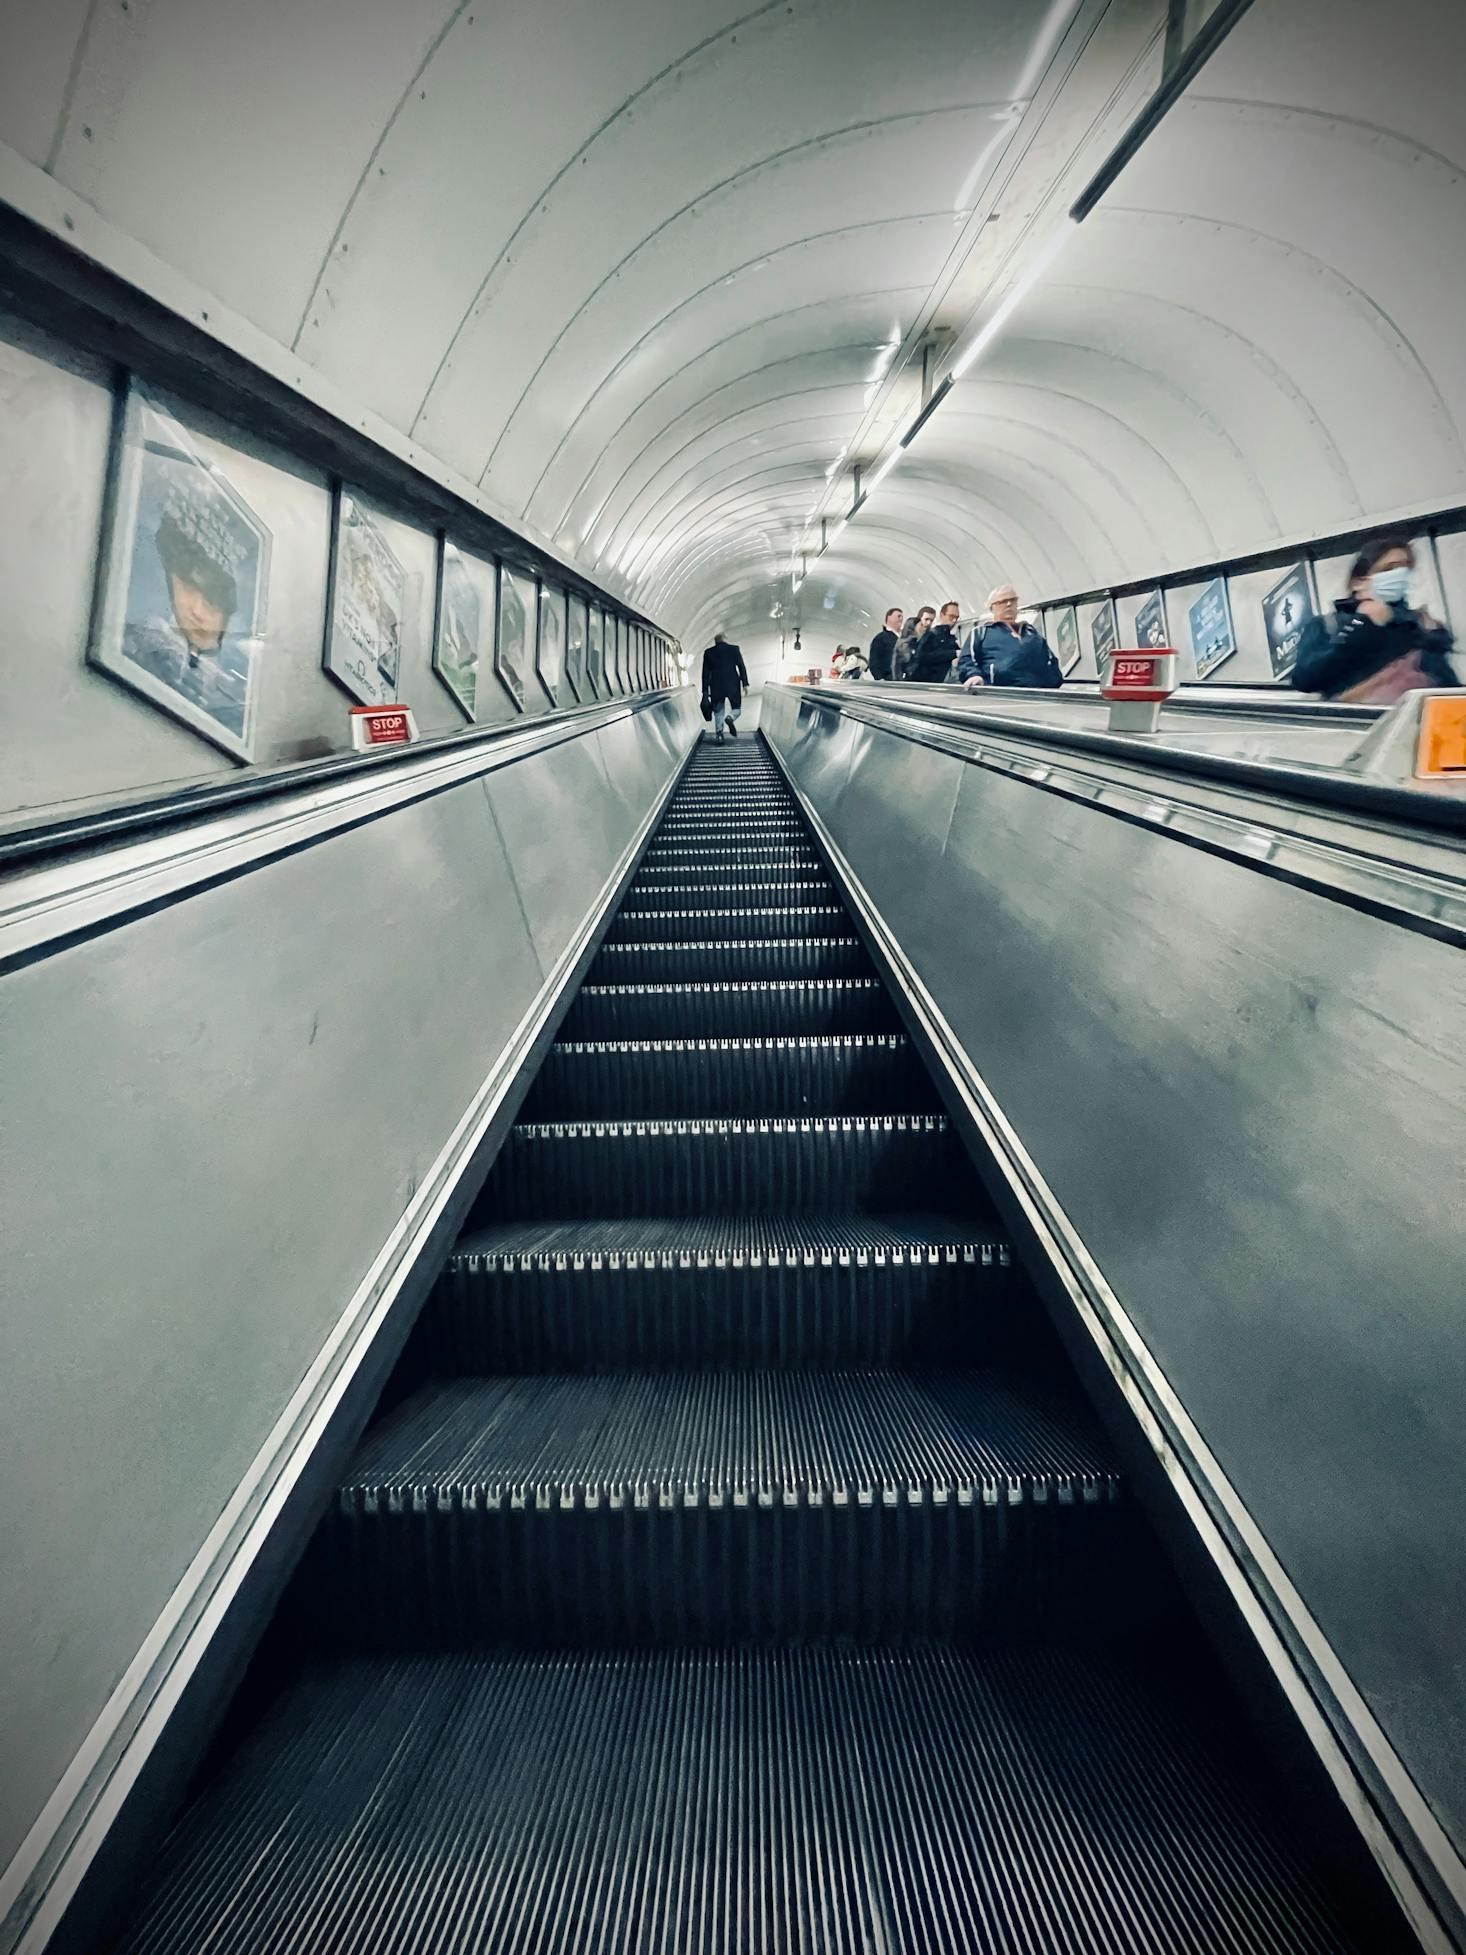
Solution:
(1006, 651)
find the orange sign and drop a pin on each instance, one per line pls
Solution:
(1441, 750)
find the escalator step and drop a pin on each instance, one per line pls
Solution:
(664, 1079)
(699, 874)
(715, 1505)
(1001, 1801)
(723, 925)
(833, 1291)
(630, 1011)
(724, 1166)
(783, 887)
(749, 851)
(767, 958)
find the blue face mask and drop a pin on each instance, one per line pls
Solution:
(1391, 586)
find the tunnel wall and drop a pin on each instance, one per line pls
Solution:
(1248, 1100)
(236, 1102)
(79, 728)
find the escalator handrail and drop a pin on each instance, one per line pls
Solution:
(134, 814)
(1348, 794)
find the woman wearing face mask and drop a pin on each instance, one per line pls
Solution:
(1376, 647)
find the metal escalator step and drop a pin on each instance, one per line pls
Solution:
(836, 1163)
(694, 853)
(754, 1008)
(680, 1293)
(713, 1506)
(784, 887)
(664, 1079)
(720, 924)
(724, 961)
(677, 872)
(1001, 1801)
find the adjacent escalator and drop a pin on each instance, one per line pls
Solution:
(734, 1564)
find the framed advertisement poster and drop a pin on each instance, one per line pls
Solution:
(575, 646)
(1104, 635)
(465, 616)
(615, 636)
(595, 653)
(184, 582)
(364, 607)
(550, 643)
(1287, 610)
(513, 641)
(1213, 640)
(1066, 639)
(1150, 623)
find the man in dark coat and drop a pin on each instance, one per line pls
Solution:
(933, 650)
(1006, 652)
(723, 679)
(883, 645)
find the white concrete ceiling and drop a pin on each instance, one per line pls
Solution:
(654, 274)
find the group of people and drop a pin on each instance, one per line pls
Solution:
(1002, 649)
(1377, 644)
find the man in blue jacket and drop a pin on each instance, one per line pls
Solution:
(1004, 652)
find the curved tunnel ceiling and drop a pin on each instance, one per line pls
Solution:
(657, 275)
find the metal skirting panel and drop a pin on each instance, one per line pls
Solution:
(1249, 1103)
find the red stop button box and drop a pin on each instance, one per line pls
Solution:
(1141, 676)
(382, 726)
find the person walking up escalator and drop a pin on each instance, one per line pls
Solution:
(723, 678)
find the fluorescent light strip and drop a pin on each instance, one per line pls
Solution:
(984, 338)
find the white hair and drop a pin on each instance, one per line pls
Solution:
(1002, 590)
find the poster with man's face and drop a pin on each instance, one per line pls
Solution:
(185, 581)
(368, 599)
(465, 610)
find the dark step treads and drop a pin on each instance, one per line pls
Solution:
(715, 1505)
(752, 850)
(665, 1079)
(838, 1163)
(719, 924)
(651, 891)
(696, 874)
(682, 1293)
(751, 1009)
(779, 1802)
(694, 963)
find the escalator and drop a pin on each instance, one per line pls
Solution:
(733, 1563)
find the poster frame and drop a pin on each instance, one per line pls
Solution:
(514, 687)
(1071, 613)
(1310, 577)
(594, 649)
(1156, 599)
(341, 491)
(107, 626)
(1106, 610)
(553, 592)
(1224, 586)
(575, 680)
(446, 543)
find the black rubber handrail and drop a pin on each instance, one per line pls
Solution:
(1350, 795)
(129, 815)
